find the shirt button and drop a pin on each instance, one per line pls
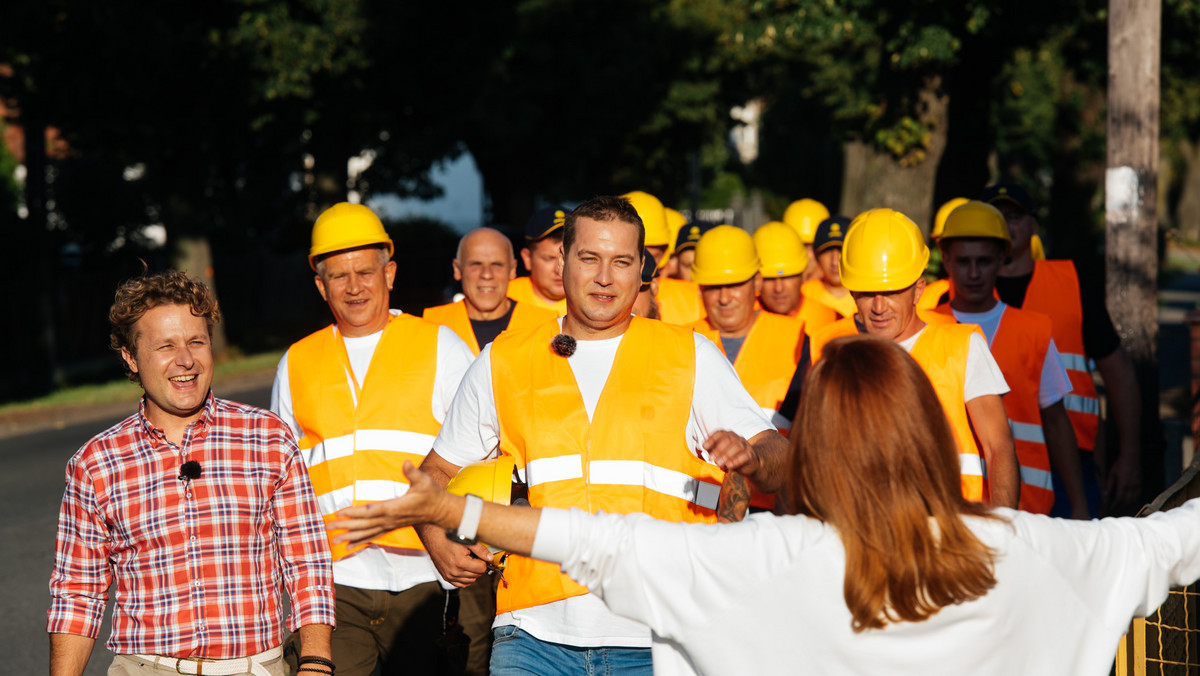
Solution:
(193, 538)
(189, 494)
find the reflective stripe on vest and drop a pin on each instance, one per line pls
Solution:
(633, 455)
(1019, 346)
(355, 439)
(1054, 291)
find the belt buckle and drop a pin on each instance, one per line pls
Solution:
(199, 665)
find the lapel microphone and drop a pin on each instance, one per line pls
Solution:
(190, 470)
(563, 345)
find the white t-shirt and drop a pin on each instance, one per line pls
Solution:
(383, 567)
(983, 373)
(765, 596)
(1054, 382)
(472, 430)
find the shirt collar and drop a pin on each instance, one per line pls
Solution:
(199, 428)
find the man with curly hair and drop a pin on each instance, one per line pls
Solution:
(196, 507)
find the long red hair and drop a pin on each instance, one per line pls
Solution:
(874, 456)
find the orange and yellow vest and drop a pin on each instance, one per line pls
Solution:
(521, 290)
(823, 307)
(679, 301)
(1019, 348)
(932, 296)
(1054, 292)
(768, 357)
(454, 316)
(355, 438)
(941, 350)
(633, 456)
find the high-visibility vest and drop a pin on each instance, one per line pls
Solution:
(521, 290)
(454, 316)
(824, 308)
(941, 350)
(355, 438)
(931, 297)
(1019, 347)
(679, 301)
(632, 457)
(768, 356)
(1054, 292)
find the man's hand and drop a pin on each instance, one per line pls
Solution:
(1123, 483)
(732, 453)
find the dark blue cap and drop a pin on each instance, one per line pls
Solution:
(831, 232)
(649, 267)
(1007, 192)
(690, 233)
(545, 221)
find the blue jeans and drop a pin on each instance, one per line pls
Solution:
(515, 652)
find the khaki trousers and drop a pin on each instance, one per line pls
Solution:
(131, 665)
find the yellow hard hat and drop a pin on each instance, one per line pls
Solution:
(724, 255)
(883, 251)
(346, 226)
(804, 216)
(939, 221)
(780, 250)
(1036, 248)
(675, 222)
(977, 219)
(491, 480)
(654, 217)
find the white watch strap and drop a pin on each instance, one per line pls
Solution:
(469, 525)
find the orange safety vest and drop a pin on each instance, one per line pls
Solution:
(521, 290)
(1054, 292)
(941, 350)
(768, 357)
(933, 293)
(1019, 348)
(633, 456)
(355, 438)
(679, 301)
(824, 307)
(454, 316)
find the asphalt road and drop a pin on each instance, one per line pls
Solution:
(31, 485)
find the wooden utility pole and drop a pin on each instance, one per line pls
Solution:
(1134, 29)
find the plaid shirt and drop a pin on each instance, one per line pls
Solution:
(197, 563)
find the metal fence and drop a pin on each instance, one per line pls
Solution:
(1167, 643)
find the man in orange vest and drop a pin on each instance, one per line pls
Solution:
(827, 291)
(485, 265)
(606, 411)
(764, 348)
(1083, 332)
(363, 395)
(678, 300)
(543, 239)
(883, 263)
(974, 242)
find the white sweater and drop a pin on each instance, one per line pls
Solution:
(765, 596)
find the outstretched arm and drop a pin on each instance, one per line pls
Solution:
(509, 527)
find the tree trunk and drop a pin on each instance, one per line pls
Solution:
(35, 202)
(874, 178)
(194, 257)
(1131, 251)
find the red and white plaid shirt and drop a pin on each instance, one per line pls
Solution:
(197, 563)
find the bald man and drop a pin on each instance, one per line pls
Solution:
(485, 264)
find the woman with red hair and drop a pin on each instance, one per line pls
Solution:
(930, 583)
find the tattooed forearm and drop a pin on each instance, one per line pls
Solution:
(734, 499)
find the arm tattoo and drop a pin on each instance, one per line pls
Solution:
(734, 499)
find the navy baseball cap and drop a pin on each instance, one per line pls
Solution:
(1007, 192)
(649, 267)
(545, 221)
(831, 232)
(691, 233)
